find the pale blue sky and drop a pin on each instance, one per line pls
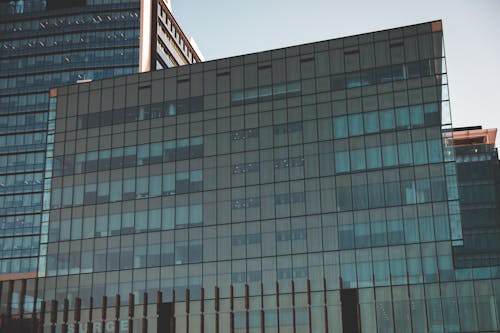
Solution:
(225, 28)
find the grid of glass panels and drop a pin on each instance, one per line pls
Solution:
(38, 52)
(347, 185)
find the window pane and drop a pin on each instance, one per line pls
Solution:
(435, 151)
(403, 117)
(342, 161)
(155, 186)
(420, 152)
(387, 119)
(405, 153)
(154, 219)
(356, 124)
(373, 158)
(340, 127)
(371, 122)
(390, 155)
(167, 219)
(358, 160)
(116, 191)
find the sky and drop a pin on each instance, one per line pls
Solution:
(224, 28)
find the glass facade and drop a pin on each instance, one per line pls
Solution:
(315, 186)
(46, 44)
(306, 189)
(478, 173)
(52, 43)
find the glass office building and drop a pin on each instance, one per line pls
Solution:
(51, 43)
(478, 174)
(308, 189)
(44, 44)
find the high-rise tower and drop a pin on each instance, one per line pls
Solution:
(478, 174)
(51, 43)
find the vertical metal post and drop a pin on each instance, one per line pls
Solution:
(278, 305)
(188, 292)
(103, 310)
(145, 314)
(65, 316)
(131, 305)
(202, 310)
(91, 310)
(2, 316)
(262, 322)
(78, 314)
(117, 314)
(294, 319)
(309, 315)
(325, 305)
(231, 306)
(159, 301)
(217, 310)
(10, 292)
(22, 299)
(41, 323)
(34, 328)
(247, 314)
(172, 320)
(53, 316)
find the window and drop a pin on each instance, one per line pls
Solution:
(355, 124)
(342, 162)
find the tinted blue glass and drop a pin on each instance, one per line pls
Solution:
(390, 155)
(398, 270)
(381, 272)
(88, 228)
(168, 218)
(438, 188)
(353, 80)
(376, 195)
(344, 199)
(426, 229)
(358, 161)
(373, 158)
(430, 269)
(359, 197)
(414, 269)
(442, 227)
(392, 193)
(379, 233)
(405, 153)
(411, 230)
(387, 121)
(348, 271)
(403, 117)
(154, 219)
(371, 122)
(395, 233)
(423, 190)
(365, 272)
(417, 115)
(362, 232)
(420, 152)
(355, 124)
(340, 127)
(141, 221)
(435, 151)
(342, 162)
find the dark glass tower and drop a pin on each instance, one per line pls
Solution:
(478, 173)
(314, 186)
(46, 44)
(305, 189)
(52, 43)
